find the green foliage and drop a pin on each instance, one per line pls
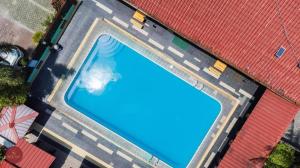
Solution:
(49, 19)
(37, 36)
(269, 164)
(10, 77)
(23, 61)
(2, 153)
(13, 88)
(282, 157)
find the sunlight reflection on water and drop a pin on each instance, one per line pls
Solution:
(96, 79)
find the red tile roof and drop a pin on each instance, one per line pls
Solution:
(5, 164)
(33, 157)
(245, 34)
(261, 132)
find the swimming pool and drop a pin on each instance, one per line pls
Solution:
(142, 102)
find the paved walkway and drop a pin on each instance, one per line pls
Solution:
(29, 13)
(12, 32)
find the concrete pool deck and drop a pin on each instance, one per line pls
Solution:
(192, 61)
(103, 26)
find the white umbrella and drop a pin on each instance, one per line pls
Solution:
(15, 122)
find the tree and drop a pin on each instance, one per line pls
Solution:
(282, 157)
(13, 88)
(37, 36)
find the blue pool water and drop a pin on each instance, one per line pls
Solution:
(142, 102)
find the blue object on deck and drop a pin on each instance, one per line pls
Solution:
(32, 63)
(280, 52)
(145, 104)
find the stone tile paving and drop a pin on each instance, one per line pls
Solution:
(44, 3)
(29, 13)
(12, 32)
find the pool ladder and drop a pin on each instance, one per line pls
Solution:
(198, 85)
(154, 160)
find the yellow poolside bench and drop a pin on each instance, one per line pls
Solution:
(215, 72)
(139, 16)
(136, 24)
(220, 66)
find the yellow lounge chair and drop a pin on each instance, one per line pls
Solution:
(139, 16)
(220, 66)
(215, 71)
(136, 24)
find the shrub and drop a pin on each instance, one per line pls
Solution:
(23, 61)
(37, 36)
(13, 88)
(49, 19)
(282, 157)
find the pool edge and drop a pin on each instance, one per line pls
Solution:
(83, 44)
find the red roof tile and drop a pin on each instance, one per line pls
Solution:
(33, 157)
(5, 164)
(245, 34)
(261, 132)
